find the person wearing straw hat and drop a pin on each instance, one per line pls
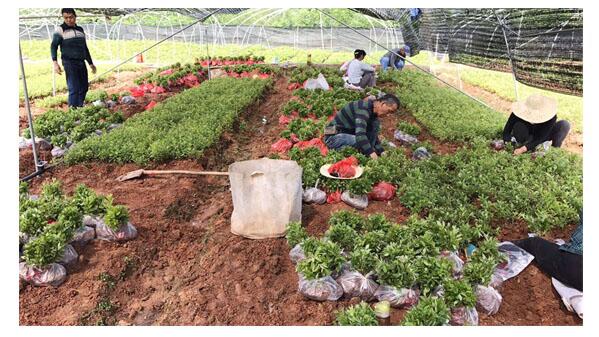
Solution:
(392, 60)
(533, 122)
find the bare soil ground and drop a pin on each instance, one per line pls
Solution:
(187, 268)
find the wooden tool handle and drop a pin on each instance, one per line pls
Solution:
(199, 173)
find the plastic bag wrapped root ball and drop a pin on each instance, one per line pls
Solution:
(53, 274)
(421, 153)
(404, 138)
(322, 289)
(382, 191)
(464, 316)
(355, 284)
(456, 261)
(398, 298)
(296, 254)
(124, 233)
(314, 195)
(356, 201)
(70, 255)
(498, 144)
(488, 300)
(83, 235)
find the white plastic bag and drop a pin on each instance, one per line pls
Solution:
(52, 275)
(464, 316)
(488, 300)
(57, 152)
(355, 201)
(314, 195)
(355, 284)
(70, 255)
(99, 103)
(83, 235)
(571, 297)
(91, 220)
(405, 138)
(456, 261)
(317, 83)
(322, 289)
(267, 195)
(296, 254)
(124, 233)
(518, 259)
(421, 153)
(398, 298)
(128, 100)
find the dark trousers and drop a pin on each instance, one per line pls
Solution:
(559, 132)
(368, 80)
(76, 73)
(566, 267)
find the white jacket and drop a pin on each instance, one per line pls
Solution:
(356, 69)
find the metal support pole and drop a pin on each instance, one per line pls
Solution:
(38, 165)
(509, 55)
(458, 66)
(410, 62)
(53, 81)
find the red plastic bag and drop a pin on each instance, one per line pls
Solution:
(137, 92)
(166, 72)
(315, 142)
(158, 90)
(150, 105)
(282, 145)
(334, 197)
(284, 120)
(345, 168)
(382, 191)
(146, 87)
(190, 80)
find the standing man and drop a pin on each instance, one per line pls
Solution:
(74, 52)
(358, 125)
(392, 60)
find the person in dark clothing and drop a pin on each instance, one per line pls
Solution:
(564, 262)
(358, 125)
(74, 52)
(534, 122)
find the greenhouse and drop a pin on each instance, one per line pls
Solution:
(300, 167)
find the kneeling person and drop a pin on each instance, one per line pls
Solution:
(358, 125)
(534, 122)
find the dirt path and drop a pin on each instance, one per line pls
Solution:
(190, 270)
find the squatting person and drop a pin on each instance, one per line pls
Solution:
(74, 52)
(360, 74)
(534, 122)
(392, 60)
(358, 125)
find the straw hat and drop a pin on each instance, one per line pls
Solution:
(535, 109)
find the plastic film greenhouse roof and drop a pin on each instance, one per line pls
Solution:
(542, 47)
